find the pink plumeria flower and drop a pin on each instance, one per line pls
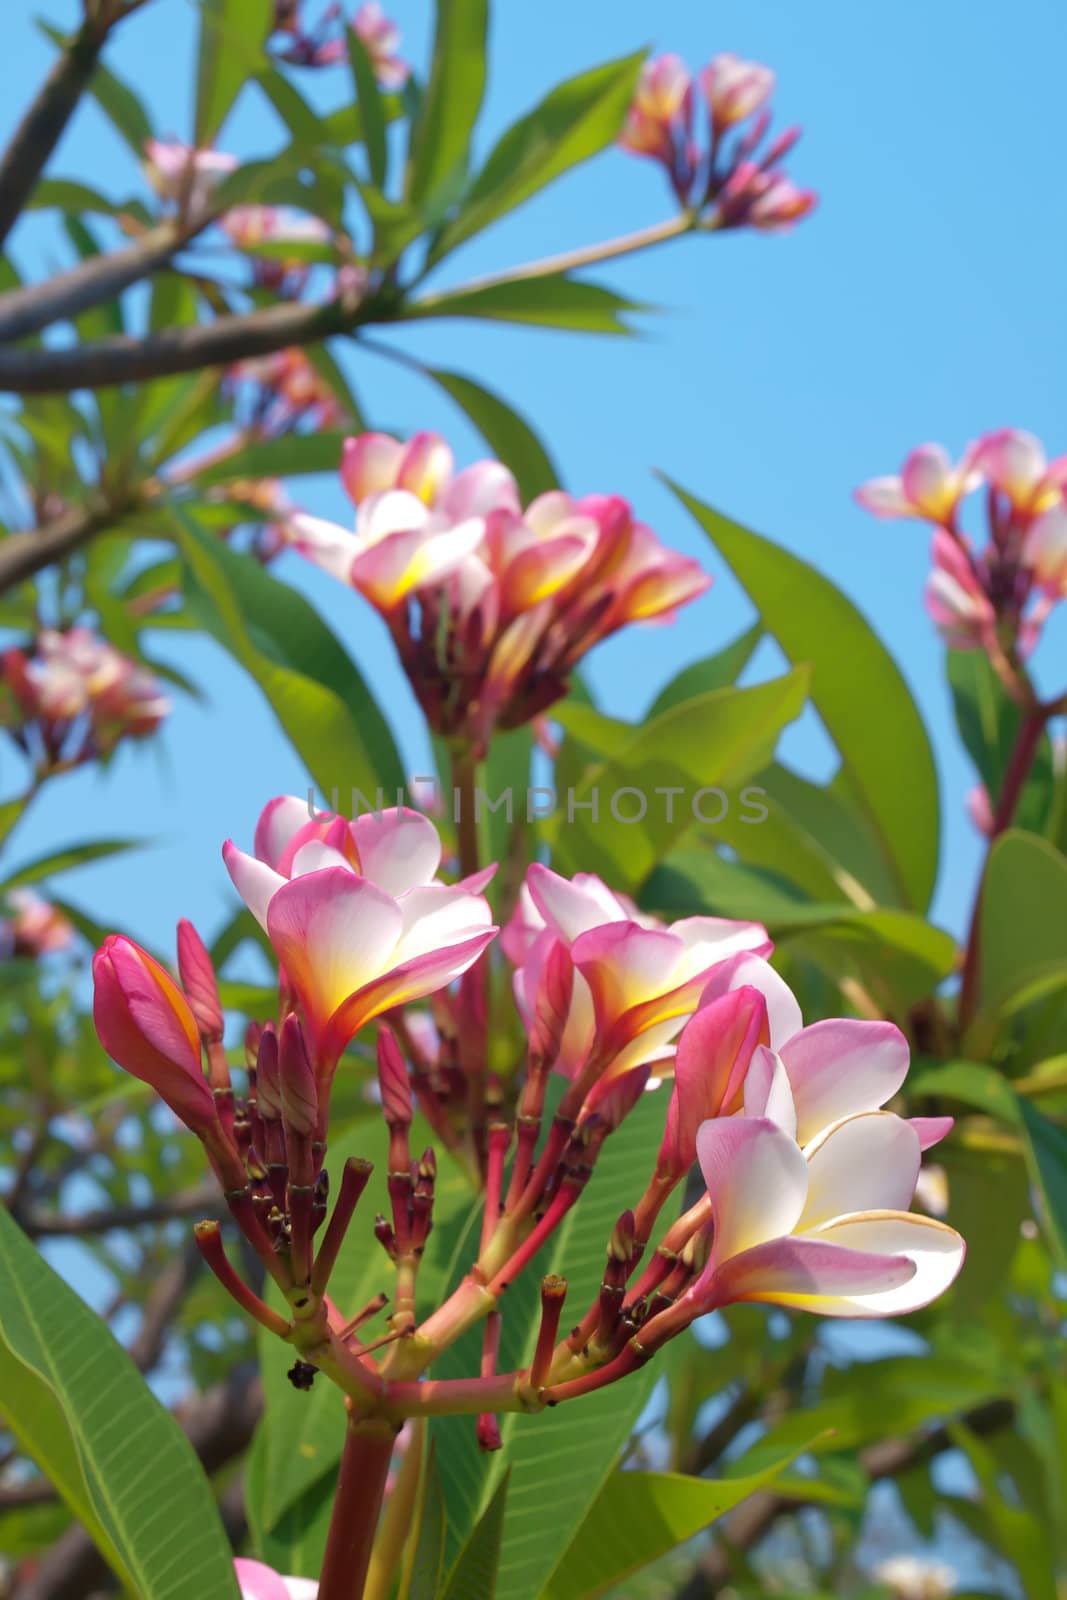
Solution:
(355, 913)
(167, 167)
(955, 599)
(1045, 551)
(36, 927)
(259, 1582)
(658, 120)
(1014, 462)
(644, 981)
(980, 809)
(824, 1229)
(777, 203)
(398, 547)
(928, 485)
(381, 37)
(734, 89)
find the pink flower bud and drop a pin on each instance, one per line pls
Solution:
(145, 1025)
(734, 88)
(393, 1081)
(299, 1097)
(268, 1075)
(198, 980)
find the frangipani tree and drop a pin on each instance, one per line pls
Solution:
(579, 1093)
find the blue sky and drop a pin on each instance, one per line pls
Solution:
(921, 301)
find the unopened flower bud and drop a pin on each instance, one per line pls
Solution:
(198, 980)
(552, 1004)
(621, 1243)
(268, 1075)
(612, 1099)
(299, 1097)
(252, 1035)
(393, 1081)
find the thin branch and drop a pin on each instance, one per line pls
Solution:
(60, 1225)
(26, 310)
(39, 131)
(890, 1458)
(24, 554)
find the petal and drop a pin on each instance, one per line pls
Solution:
(767, 1091)
(708, 940)
(486, 486)
(869, 1162)
(757, 1180)
(931, 1130)
(327, 544)
(884, 497)
(254, 881)
(333, 933)
(784, 1016)
(258, 1582)
(315, 855)
(625, 966)
(936, 1249)
(542, 570)
(425, 466)
(842, 1066)
(810, 1274)
(928, 480)
(278, 821)
(435, 916)
(394, 566)
(412, 980)
(713, 1055)
(369, 465)
(569, 908)
(397, 849)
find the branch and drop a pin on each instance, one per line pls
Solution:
(24, 554)
(102, 363)
(26, 310)
(39, 131)
(59, 1225)
(890, 1458)
(219, 1424)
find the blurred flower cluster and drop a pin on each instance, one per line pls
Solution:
(731, 179)
(31, 927)
(993, 593)
(490, 604)
(324, 43)
(71, 697)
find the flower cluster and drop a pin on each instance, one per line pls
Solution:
(996, 596)
(323, 45)
(183, 175)
(808, 1177)
(72, 696)
(276, 392)
(490, 604)
(31, 927)
(731, 181)
(281, 236)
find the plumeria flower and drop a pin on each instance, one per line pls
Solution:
(167, 167)
(355, 913)
(1045, 551)
(659, 119)
(824, 1228)
(77, 685)
(259, 1582)
(34, 926)
(929, 485)
(916, 1578)
(734, 89)
(381, 37)
(955, 597)
(1014, 462)
(643, 981)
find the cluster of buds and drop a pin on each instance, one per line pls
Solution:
(276, 237)
(808, 1179)
(30, 927)
(994, 596)
(324, 44)
(277, 392)
(184, 176)
(729, 181)
(72, 697)
(491, 605)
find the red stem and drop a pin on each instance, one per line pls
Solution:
(360, 1490)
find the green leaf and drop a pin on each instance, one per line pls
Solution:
(857, 689)
(578, 119)
(511, 439)
(74, 855)
(474, 1576)
(1047, 1153)
(1016, 1532)
(1023, 917)
(713, 741)
(989, 723)
(231, 31)
(69, 195)
(640, 1516)
(713, 672)
(287, 457)
(312, 685)
(440, 138)
(423, 1580)
(560, 1457)
(551, 301)
(78, 1405)
(369, 100)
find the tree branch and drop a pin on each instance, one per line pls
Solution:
(188, 1203)
(39, 131)
(26, 310)
(889, 1458)
(102, 363)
